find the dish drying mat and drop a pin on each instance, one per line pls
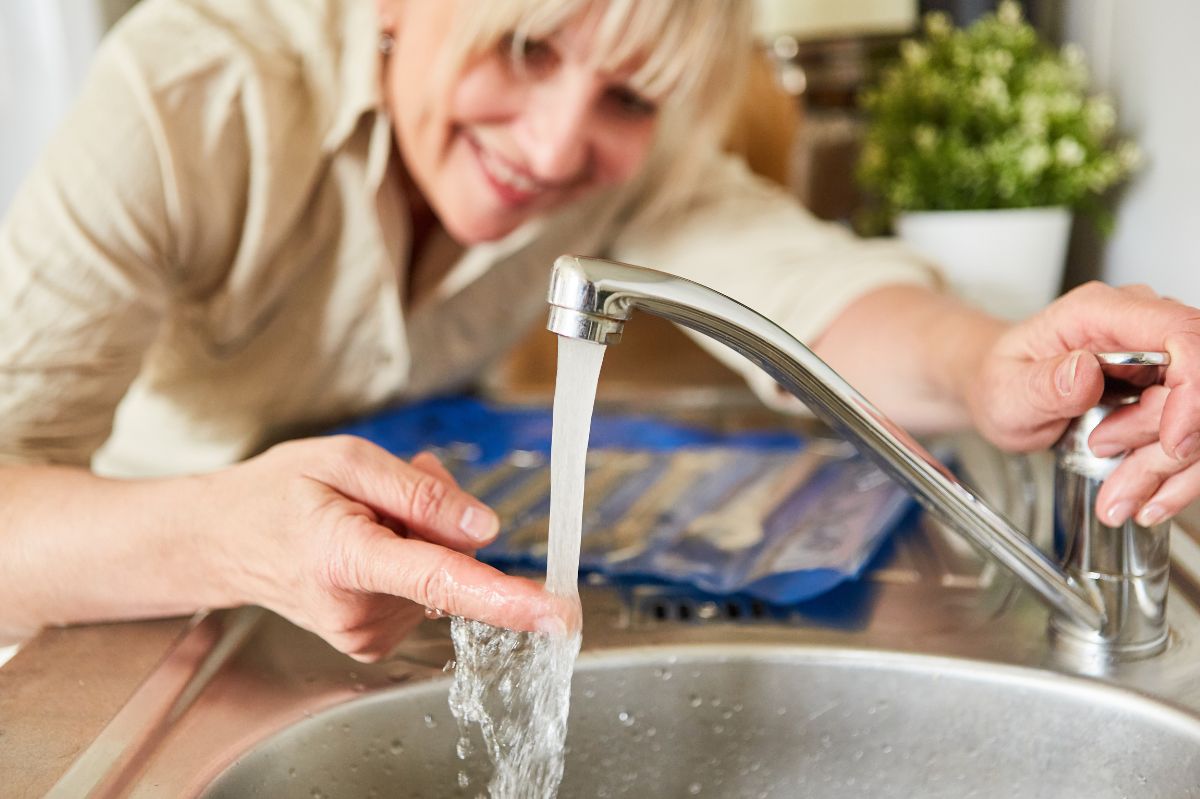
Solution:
(769, 514)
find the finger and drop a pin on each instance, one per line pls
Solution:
(1180, 429)
(454, 583)
(431, 507)
(1134, 482)
(1130, 427)
(429, 463)
(1034, 400)
(1139, 290)
(1172, 497)
(378, 631)
(1133, 319)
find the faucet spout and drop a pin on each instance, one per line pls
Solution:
(591, 298)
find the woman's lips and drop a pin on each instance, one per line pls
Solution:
(514, 187)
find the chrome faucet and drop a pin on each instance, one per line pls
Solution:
(1110, 597)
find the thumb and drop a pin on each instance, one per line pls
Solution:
(1032, 400)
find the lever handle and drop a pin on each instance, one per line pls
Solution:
(1129, 373)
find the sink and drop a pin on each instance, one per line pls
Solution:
(764, 721)
(932, 676)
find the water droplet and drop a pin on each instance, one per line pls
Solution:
(463, 779)
(626, 718)
(695, 788)
(430, 722)
(695, 701)
(397, 746)
(291, 772)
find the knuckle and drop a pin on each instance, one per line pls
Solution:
(427, 497)
(433, 586)
(345, 619)
(346, 451)
(1091, 289)
(359, 643)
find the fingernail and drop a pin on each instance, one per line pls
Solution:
(551, 625)
(1106, 449)
(1187, 447)
(1151, 515)
(479, 523)
(1065, 376)
(1118, 512)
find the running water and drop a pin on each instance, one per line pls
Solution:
(517, 686)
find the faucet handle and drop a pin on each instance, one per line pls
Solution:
(1127, 374)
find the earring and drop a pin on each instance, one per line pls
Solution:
(386, 43)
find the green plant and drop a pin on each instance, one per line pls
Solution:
(989, 117)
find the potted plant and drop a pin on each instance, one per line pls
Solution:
(981, 143)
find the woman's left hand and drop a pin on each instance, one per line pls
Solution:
(1042, 373)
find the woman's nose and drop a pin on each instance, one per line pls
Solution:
(560, 130)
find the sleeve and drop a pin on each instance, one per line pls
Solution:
(84, 250)
(752, 241)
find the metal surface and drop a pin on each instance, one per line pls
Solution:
(1126, 569)
(763, 721)
(243, 676)
(590, 298)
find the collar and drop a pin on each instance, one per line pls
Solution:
(355, 83)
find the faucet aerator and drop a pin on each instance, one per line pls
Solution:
(569, 323)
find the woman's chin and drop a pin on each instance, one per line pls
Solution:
(469, 232)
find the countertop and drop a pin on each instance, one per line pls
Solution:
(65, 685)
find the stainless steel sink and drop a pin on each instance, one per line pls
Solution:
(763, 721)
(932, 676)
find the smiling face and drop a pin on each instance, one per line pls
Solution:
(521, 130)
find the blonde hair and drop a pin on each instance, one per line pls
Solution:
(693, 57)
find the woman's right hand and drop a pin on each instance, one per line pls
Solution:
(353, 543)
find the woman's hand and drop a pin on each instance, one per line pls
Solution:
(353, 543)
(1041, 373)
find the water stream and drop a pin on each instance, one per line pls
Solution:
(515, 687)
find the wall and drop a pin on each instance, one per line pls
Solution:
(45, 48)
(1148, 55)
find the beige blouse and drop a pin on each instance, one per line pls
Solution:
(208, 257)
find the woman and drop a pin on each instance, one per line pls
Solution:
(263, 217)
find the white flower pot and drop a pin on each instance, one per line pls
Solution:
(1008, 262)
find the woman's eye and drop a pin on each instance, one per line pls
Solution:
(532, 55)
(630, 103)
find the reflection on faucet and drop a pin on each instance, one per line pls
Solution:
(1118, 610)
